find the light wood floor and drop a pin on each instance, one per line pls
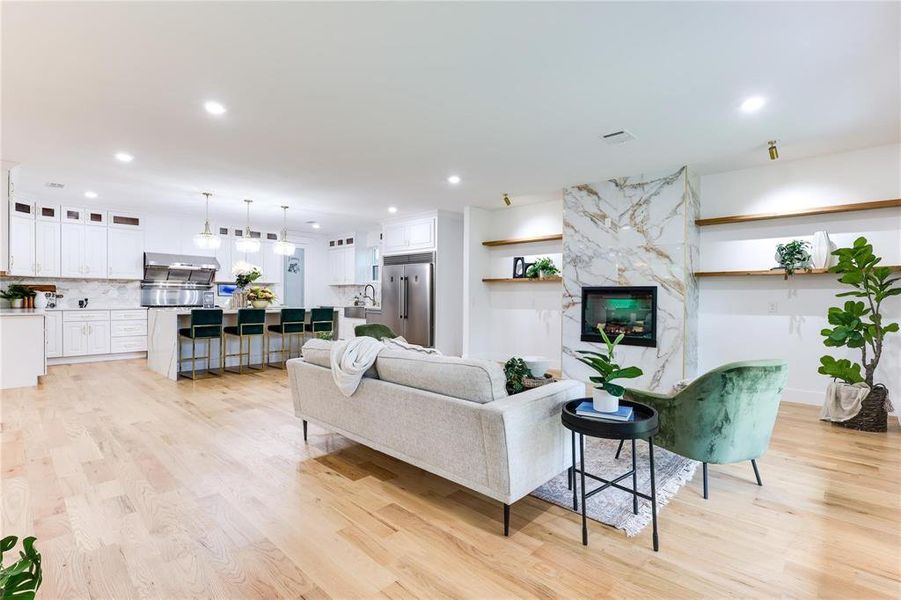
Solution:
(137, 486)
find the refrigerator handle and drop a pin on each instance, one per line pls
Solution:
(402, 296)
(406, 297)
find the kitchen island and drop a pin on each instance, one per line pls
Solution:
(22, 339)
(162, 339)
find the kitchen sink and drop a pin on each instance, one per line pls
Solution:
(355, 312)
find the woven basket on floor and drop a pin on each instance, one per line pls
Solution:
(873, 415)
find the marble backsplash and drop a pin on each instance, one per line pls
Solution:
(635, 231)
(100, 293)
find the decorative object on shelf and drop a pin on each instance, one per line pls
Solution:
(793, 255)
(822, 250)
(773, 150)
(260, 297)
(17, 295)
(206, 239)
(519, 267)
(22, 578)
(516, 371)
(246, 243)
(859, 324)
(606, 394)
(542, 268)
(283, 247)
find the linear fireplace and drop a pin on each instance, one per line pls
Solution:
(631, 311)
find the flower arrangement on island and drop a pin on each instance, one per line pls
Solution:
(260, 297)
(245, 273)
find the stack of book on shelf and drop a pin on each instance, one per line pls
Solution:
(586, 409)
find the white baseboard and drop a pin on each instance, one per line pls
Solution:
(71, 360)
(814, 398)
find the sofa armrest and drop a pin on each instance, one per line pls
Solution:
(525, 432)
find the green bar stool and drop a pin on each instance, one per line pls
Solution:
(251, 324)
(289, 328)
(321, 320)
(206, 324)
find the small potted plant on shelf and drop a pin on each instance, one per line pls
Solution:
(606, 394)
(794, 255)
(542, 268)
(260, 297)
(860, 324)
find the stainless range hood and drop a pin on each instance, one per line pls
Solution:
(176, 279)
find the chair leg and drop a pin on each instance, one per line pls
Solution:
(756, 472)
(705, 481)
(506, 519)
(304, 430)
(620, 449)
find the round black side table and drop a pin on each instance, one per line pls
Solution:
(643, 425)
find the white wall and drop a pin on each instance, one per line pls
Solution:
(511, 319)
(765, 317)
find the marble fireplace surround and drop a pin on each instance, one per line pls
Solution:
(635, 231)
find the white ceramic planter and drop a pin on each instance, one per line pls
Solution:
(603, 401)
(822, 250)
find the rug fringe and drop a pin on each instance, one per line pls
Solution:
(636, 523)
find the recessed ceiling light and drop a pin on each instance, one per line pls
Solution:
(454, 179)
(124, 157)
(392, 209)
(90, 194)
(316, 225)
(753, 104)
(214, 108)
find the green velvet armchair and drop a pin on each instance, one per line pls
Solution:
(376, 330)
(724, 416)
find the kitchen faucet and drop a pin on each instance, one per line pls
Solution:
(366, 295)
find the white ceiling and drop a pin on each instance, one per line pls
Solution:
(343, 109)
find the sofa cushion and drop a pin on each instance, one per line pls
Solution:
(467, 379)
(319, 352)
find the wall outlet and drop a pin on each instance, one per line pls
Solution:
(772, 308)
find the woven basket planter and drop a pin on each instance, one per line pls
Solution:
(873, 415)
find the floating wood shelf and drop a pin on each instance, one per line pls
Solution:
(527, 240)
(773, 272)
(806, 212)
(521, 280)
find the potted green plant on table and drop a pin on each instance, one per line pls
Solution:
(244, 274)
(859, 324)
(794, 255)
(260, 297)
(16, 294)
(542, 268)
(606, 394)
(515, 370)
(21, 579)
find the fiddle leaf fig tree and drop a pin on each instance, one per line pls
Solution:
(859, 323)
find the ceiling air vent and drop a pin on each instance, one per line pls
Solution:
(618, 137)
(55, 185)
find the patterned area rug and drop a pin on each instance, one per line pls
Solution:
(612, 506)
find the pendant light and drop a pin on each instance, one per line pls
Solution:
(246, 243)
(206, 239)
(283, 247)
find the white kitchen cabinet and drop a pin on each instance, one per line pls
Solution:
(95, 258)
(46, 248)
(414, 235)
(224, 256)
(53, 334)
(72, 249)
(21, 245)
(75, 339)
(271, 264)
(86, 332)
(125, 251)
(98, 337)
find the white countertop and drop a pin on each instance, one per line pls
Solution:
(181, 310)
(21, 312)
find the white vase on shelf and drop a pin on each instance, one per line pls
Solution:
(822, 250)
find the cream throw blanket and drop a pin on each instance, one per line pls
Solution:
(843, 401)
(352, 358)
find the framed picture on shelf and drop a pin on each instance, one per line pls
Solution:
(519, 267)
(525, 269)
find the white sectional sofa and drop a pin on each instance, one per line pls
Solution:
(447, 415)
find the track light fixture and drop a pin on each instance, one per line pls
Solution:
(774, 151)
(507, 201)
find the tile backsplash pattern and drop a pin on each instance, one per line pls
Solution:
(344, 294)
(100, 293)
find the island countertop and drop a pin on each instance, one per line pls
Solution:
(182, 310)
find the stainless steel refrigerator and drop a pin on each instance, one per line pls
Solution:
(407, 297)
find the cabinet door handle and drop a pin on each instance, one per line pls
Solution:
(12, 260)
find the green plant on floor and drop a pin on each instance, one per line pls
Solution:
(325, 335)
(543, 267)
(793, 256)
(515, 370)
(607, 370)
(21, 579)
(15, 291)
(859, 323)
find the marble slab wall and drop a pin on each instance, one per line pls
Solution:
(635, 231)
(100, 292)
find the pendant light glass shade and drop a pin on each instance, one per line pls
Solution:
(206, 239)
(283, 247)
(246, 243)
